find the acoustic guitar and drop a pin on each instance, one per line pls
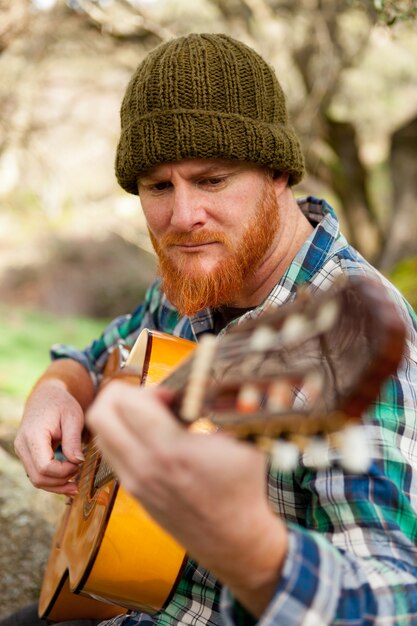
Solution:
(294, 381)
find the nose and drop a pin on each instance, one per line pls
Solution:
(188, 212)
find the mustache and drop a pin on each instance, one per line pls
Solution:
(193, 238)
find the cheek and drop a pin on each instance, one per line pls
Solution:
(154, 241)
(236, 221)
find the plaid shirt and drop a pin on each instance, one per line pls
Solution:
(352, 556)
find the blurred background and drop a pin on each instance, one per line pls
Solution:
(73, 246)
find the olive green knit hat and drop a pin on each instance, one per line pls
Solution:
(204, 96)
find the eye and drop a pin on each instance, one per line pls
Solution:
(161, 186)
(157, 187)
(213, 181)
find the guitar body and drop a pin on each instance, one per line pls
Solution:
(108, 555)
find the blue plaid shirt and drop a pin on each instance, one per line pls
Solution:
(352, 556)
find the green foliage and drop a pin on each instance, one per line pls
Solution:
(25, 339)
(404, 276)
(391, 11)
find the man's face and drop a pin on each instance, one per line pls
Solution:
(211, 222)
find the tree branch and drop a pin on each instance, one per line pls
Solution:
(123, 22)
(14, 20)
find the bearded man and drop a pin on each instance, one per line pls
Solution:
(207, 145)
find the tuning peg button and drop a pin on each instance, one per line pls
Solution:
(284, 455)
(316, 453)
(355, 456)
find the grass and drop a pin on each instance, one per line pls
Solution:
(25, 339)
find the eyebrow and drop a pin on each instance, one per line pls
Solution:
(210, 168)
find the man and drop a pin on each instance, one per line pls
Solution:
(207, 145)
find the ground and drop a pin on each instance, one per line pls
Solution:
(27, 520)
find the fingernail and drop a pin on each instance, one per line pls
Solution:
(79, 456)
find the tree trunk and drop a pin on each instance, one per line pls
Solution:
(402, 241)
(349, 181)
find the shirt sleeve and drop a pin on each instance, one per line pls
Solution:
(124, 328)
(352, 558)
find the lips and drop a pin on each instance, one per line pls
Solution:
(194, 246)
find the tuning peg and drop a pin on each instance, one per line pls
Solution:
(284, 455)
(354, 450)
(316, 453)
(327, 315)
(262, 338)
(280, 395)
(248, 399)
(295, 328)
(313, 386)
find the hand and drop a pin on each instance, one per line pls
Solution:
(208, 491)
(51, 416)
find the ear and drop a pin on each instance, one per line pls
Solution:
(280, 182)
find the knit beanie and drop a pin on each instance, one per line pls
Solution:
(204, 96)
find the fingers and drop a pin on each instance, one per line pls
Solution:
(141, 412)
(57, 476)
(62, 486)
(51, 416)
(72, 427)
(43, 470)
(136, 433)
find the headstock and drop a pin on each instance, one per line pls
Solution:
(299, 375)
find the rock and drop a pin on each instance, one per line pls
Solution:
(27, 521)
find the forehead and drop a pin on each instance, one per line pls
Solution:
(192, 167)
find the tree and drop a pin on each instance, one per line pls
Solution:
(14, 20)
(315, 46)
(320, 41)
(391, 11)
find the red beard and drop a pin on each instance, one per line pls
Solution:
(192, 288)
